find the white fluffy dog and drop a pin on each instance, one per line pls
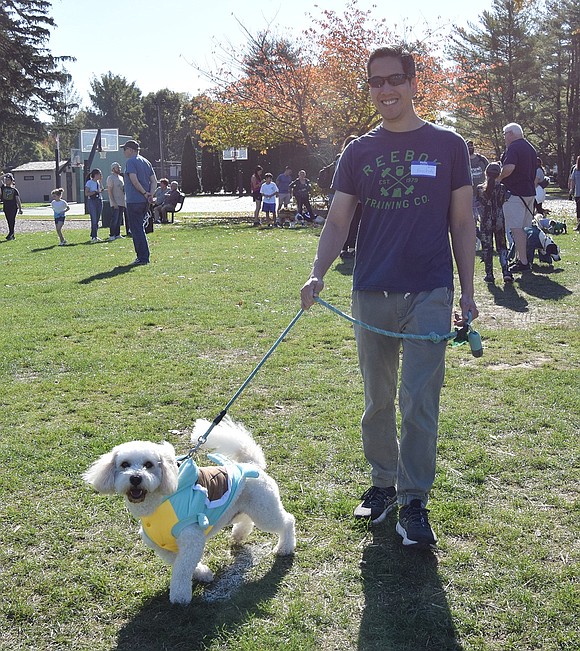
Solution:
(155, 491)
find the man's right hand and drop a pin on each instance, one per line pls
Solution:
(310, 291)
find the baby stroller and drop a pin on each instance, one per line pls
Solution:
(538, 242)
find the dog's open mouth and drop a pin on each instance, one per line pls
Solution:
(136, 494)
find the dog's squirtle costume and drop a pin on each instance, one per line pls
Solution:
(202, 496)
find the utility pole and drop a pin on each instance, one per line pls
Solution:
(160, 131)
(88, 163)
(57, 160)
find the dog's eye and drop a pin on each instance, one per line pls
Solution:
(148, 465)
(125, 464)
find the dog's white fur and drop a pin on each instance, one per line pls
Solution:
(145, 473)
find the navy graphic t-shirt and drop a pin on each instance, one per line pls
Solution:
(404, 182)
(521, 181)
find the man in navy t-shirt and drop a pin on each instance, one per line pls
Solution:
(518, 175)
(413, 181)
(140, 184)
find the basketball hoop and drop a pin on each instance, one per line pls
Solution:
(109, 139)
(235, 154)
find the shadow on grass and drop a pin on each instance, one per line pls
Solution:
(244, 223)
(161, 625)
(68, 245)
(508, 296)
(345, 266)
(538, 284)
(542, 286)
(115, 271)
(405, 602)
(215, 220)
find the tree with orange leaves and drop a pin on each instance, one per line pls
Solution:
(312, 92)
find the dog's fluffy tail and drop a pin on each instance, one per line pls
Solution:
(231, 439)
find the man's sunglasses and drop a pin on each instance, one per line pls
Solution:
(397, 79)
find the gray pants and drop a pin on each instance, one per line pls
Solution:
(410, 465)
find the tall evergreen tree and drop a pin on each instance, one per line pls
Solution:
(498, 72)
(560, 110)
(67, 118)
(117, 104)
(30, 75)
(168, 106)
(211, 175)
(189, 177)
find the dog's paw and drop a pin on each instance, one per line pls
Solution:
(284, 550)
(241, 530)
(202, 573)
(287, 539)
(180, 596)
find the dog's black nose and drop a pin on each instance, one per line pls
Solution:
(135, 480)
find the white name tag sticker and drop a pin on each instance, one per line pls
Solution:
(423, 168)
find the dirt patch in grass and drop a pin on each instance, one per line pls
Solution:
(538, 362)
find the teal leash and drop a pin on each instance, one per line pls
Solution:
(432, 336)
(217, 420)
(463, 335)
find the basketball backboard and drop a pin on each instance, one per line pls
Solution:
(235, 154)
(109, 139)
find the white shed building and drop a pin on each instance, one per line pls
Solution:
(36, 180)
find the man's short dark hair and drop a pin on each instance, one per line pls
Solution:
(395, 52)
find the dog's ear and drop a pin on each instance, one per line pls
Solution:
(168, 467)
(101, 475)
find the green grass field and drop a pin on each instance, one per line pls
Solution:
(95, 352)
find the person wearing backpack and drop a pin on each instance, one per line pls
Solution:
(10, 198)
(478, 164)
(324, 179)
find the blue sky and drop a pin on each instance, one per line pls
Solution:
(163, 42)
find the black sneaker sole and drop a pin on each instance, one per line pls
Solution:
(381, 517)
(415, 544)
(384, 514)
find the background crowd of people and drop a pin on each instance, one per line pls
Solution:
(135, 196)
(265, 192)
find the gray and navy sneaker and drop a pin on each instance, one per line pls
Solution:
(376, 503)
(413, 526)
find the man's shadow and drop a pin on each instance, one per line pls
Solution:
(104, 275)
(161, 625)
(405, 602)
